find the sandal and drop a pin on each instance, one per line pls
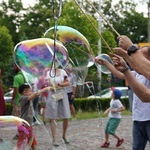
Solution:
(106, 144)
(119, 142)
(66, 141)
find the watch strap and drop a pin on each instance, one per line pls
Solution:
(124, 69)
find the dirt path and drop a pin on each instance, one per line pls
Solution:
(83, 135)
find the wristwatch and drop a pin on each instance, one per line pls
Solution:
(132, 49)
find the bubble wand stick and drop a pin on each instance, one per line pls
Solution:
(55, 17)
(93, 26)
(103, 18)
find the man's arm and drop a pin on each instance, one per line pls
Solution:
(129, 59)
(140, 61)
(139, 89)
(15, 91)
(124, 42)
(74, 88)
(111, 68)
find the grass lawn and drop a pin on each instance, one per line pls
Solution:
(90, 115)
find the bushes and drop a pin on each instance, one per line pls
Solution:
(85, 104)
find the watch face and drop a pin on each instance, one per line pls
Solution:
(133, 48)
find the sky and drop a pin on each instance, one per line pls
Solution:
(140, 8)
(28, 2)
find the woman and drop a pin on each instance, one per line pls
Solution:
(57, 105)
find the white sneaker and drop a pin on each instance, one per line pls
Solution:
(36, 123)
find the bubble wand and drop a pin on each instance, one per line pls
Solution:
(90, 86)
(104, 18)
(55, 38)
(55, 17)
(97, 103)
(93, 26)
(100, 37)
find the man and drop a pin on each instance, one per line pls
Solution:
(139, 89)
(141, 111)
(18, 80)
(143, 64)
(71, 91)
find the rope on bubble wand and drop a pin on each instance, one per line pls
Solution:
(93, 26)
(90, 86)
(55, 17)
(97, 102)
(104, 18)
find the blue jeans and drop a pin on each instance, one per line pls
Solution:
(141, 134)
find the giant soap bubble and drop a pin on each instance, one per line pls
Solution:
(35, 56)
(76, 44)
(9, 126)
(12, 121)
(80, 54)
(79, 51)
(103, 68)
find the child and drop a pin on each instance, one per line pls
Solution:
(114, 118)
(27, 114)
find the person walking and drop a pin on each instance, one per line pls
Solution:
(114, 118)
(57, 105)
(71, 91)
(18, 80)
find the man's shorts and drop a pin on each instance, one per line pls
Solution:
(69, 98)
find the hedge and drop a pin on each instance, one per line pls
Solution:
(85, 104)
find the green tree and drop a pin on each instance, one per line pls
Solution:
(126, 20)
(36, 20)
(11, 14)
(6, 51)
(110, 40)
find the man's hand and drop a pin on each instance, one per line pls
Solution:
(124, 42)
(121, 52)
(119, 62)
(101, 61)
